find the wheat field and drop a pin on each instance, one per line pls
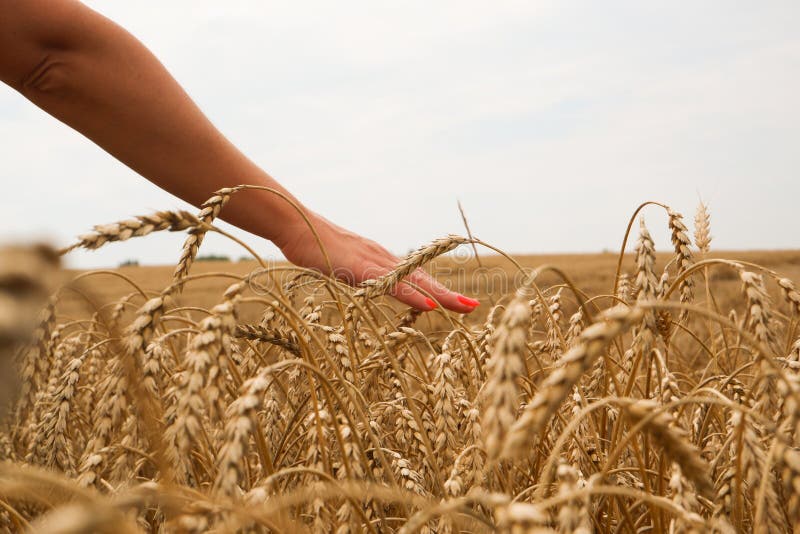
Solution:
(640, 392)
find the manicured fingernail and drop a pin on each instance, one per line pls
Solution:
(431, 303)
(466, 301)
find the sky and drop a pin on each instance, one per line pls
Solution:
(549, 121)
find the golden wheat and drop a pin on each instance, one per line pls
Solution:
(647, 407)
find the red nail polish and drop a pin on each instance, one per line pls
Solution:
(431, 303)
(466, 301)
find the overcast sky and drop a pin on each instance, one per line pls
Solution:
(550, 121)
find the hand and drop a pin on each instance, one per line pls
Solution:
(355, 259)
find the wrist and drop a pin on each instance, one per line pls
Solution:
(292, 227)
(274, 215)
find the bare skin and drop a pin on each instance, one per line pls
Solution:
(94, 76)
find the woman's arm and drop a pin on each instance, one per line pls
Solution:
(91, 74)
(94, 76)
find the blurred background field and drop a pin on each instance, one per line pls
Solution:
(592, 273)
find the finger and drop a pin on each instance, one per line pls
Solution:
(410, 296)
(448, 299)
(402, 292)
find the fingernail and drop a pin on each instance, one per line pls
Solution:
(466, 301)
(431, 303)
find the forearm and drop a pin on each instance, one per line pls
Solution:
(97, 78)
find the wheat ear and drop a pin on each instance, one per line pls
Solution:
(683, 252)
(676, 443)
(418, 258)
(273, 336)
(506, 366)
(555, 388)
(241, 424)
(444, 407)
(209, 211)
(141, 225)
(702, 228)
